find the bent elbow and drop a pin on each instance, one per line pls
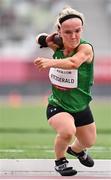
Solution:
(75, 65)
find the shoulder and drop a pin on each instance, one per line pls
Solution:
(86, 49)
(86, 45)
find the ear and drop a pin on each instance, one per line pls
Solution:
(59, 31)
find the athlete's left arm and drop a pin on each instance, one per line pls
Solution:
(84, 53)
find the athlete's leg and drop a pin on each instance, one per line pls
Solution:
(63, 123)
(85, 137)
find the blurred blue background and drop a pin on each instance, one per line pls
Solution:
(21, 21)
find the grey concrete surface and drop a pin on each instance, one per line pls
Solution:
(44, 169)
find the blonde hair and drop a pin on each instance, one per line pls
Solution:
(66, 12)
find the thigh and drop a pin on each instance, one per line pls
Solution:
(86, 134)
(83, 117)
(62, 122)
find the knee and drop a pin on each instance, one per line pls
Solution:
(68, 134)
(90, 142)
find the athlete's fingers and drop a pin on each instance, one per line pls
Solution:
(36, 61)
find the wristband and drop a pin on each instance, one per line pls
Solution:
(42, 41)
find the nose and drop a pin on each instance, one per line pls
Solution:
(73, 35)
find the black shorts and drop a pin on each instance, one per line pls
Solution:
(81, 118)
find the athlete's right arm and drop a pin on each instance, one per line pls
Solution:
(45, 40)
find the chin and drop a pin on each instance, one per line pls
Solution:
(73, 45)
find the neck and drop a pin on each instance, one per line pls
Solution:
(68, 50)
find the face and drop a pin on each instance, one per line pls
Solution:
(70, 31)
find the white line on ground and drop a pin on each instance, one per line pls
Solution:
(48, 149)
(12, 150)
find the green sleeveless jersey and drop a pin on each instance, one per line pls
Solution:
(76, 99)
